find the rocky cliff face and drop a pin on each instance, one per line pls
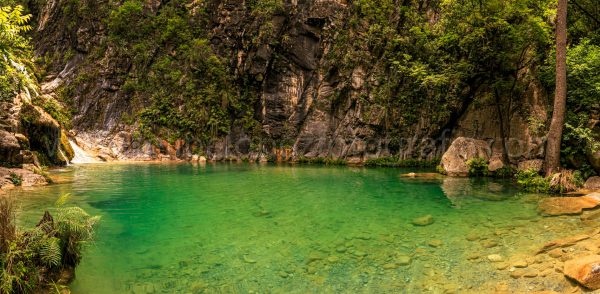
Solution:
(305, 106)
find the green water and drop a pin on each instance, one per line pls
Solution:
(182, 228)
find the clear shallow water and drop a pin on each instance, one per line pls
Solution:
(250, 228)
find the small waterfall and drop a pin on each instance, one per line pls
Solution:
(80, 155)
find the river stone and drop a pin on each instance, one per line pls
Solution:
(454, 161)
(593, 183)
(554, 206)
(423, 221)
(584, 270)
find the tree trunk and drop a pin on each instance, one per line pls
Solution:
(552, 162)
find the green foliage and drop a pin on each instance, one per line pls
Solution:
(321, 160)
(532, 181)
(32, 260)
(15, 53)
(505, 172)
(17, 180)
(583, 98)
(182, 88)
(394, 161)
(478, 167)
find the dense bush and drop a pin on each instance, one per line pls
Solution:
(394, 161)
(532, 181)
(17, 180)
(504, 172)
(478, 167)
(31, 260)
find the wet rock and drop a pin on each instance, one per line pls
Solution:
(423, 221)
(584, 270)
(554, 206)
(333, 259)
(454, 161)
(495, 258)
(341, 249)
(593, 183)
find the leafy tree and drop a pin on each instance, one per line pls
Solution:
(15, 53)
(552, 162)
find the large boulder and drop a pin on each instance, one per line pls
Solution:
(594, 159)
(454, 161)
(9, 148)
(44, 134)
(593, 183)
(585, 270)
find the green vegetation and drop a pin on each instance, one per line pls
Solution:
(181, 87)
(505, 172)
(478, 167)
(394, 161)
(33, 260)
(532, 181)
(15, 53)
(321, 160)
(558, 183)
(17, 180)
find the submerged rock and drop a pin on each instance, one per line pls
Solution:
(584, 270)
(568, 205)
(423, 221)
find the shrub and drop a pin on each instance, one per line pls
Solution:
(395, 161)
(32, 260)
(504, 172)
(565, 181)
(532, 181)
(478, 167)
(17, 180)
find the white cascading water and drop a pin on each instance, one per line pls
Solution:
(80, 155)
